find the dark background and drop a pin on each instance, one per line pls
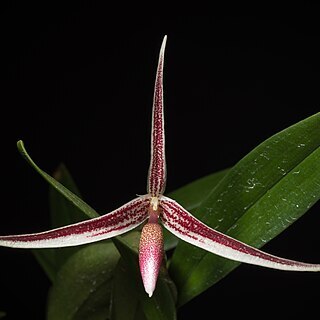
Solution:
(78, 88)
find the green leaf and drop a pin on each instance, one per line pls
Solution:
(47, 260)
(73, 198)
(63, 212)
(124, 294)
(258, 198)
(82, 289)
(190, 196)
(161, 306)
(66, 208)
(124, 291)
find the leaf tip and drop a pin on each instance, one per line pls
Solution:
(20, 145)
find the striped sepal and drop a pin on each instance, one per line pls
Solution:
(157, 169)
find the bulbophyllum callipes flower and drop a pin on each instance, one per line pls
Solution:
(156, 210)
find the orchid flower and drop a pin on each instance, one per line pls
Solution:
(157, 210)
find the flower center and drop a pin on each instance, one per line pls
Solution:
(154, 202)
(154, 210)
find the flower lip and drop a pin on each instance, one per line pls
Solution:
(150, 255)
